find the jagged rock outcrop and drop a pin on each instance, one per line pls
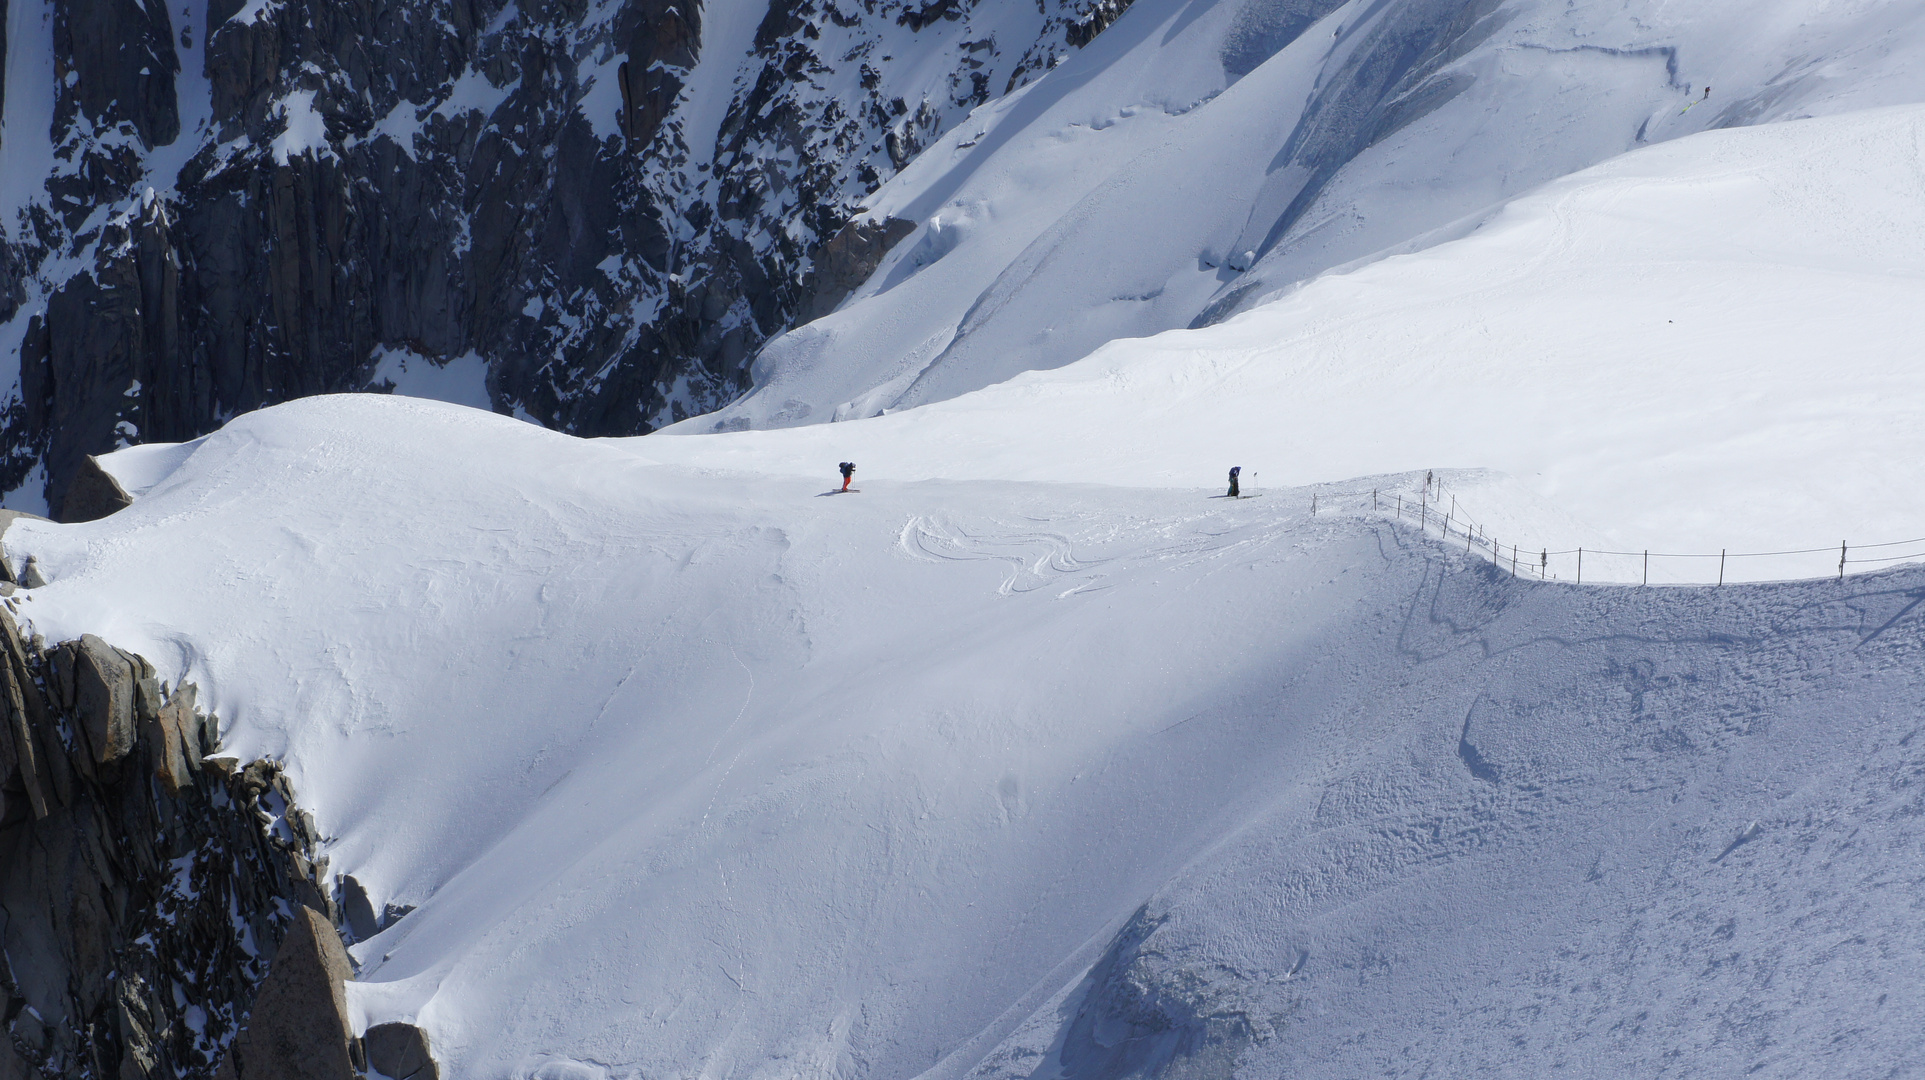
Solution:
(400, 1052)
(847, 260)
(144, 881)
(92, 494)
(298, 1028)
(612, 219)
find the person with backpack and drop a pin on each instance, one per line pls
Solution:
(1233, 481)
(848, 473)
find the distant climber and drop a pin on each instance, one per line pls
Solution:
(1695, 104)
(1233, 481)
(848, 473)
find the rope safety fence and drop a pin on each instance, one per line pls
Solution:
(1436, 508)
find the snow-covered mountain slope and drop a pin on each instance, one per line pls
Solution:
(1201, 156)
(695, 771)
(605, 207)
(1709, 344)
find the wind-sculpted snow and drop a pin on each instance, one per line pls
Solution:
(698, 770)
(1202, 158)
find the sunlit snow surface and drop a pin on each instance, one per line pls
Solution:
(1710, 344)
(1033, 759)
(1201, 155)
(461, 381)
(695, 772)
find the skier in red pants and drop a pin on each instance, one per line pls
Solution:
(848, 473)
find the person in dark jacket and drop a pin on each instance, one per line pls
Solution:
(848, 473)
(1233, 481)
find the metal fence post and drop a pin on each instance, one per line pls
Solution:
(1647, 566)
(1841, 560)
(1721, 552)
(1580, 566)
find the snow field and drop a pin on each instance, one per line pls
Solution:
(1702, 345)
(1198, 158)
(1032, 759)
(702, 771)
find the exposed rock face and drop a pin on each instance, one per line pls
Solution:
(613, 219)
(298, 1028)
(1142, 1016)
(143, 883)
(400, 1052)
(847, 260)
(92, 494)
(120, 51)
(105, 682)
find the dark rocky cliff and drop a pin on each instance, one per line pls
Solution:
(145, 884)
(247, 202)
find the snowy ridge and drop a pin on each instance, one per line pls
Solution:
(1701, 345)
(1406, 501)
(691, 769)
